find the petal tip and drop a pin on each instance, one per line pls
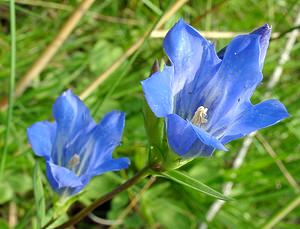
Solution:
(68, 92)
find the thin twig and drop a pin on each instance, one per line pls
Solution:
(279, 163)
(84, 212)
(283, 213)
(103, 76)
(227, 187)
(212, 9)
(50, 51)
(282, 34)
(102, 221)
(170, 12)
(207, 34)
(134, 201)
(46, 4)
(13, 215)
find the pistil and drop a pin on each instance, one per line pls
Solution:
(74, 161)
(200, 116)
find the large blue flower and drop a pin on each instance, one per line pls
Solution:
(205, 98)
(74, 146)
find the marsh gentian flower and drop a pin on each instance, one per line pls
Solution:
(74, 146)
(205, 98)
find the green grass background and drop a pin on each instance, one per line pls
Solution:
(260, 191)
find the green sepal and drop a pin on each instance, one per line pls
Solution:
(161, 158)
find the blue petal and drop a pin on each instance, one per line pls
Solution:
(185, 48)
(111, 165)
(194, 60)
(41, 137)
(72, 116)
(207, 139)
(259, 116)
(184, 138)
(237, 78)
(199, 149)
(181, 135)
(61, 177)
(265, 33)
(158, 92)
(103, 139)
(84, 180)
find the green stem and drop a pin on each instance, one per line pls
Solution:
(84, 212)
(283, 213)
(11, 82)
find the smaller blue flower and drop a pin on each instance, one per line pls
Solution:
(204, 96)
(74, 146)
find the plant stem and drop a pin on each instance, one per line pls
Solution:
(11, 81)
(283, 213)
(84, 212)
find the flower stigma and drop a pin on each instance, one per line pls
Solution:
(74, 161)
(200, 116)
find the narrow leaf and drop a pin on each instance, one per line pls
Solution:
(190, 182)
(39, 196)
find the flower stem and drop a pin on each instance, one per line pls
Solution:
(11, 83)
(84, 212)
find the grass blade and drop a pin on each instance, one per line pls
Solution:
(192, 183)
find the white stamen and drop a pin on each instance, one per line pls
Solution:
(74, 161)
(199, 116)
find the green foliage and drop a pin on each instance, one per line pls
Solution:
(260, 188)
(39, 196)
(190, 182)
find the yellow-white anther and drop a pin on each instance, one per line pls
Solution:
(74, 161)
(200, 116)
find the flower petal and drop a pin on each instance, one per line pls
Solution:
(61, 177)
(264, 32)
(72, 116)
(259, 116)
(238, 76)
(188, 140)
(41, 136)
(103, 139)
(181, 135)
(111, 165)
(207, 139)
(158, 92)
(195, 62)
(84, 180)
(186, 49)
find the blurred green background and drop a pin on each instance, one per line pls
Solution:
(262, 188)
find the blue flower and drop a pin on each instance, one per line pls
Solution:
(74, 146)
(205, 98)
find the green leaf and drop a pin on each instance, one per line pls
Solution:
(98, 56)
(21, 186)
(190, 182)
(3, 224)
(39, 196)
(7, 192)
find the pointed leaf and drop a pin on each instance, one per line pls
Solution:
(190, 182)
(39, 196)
